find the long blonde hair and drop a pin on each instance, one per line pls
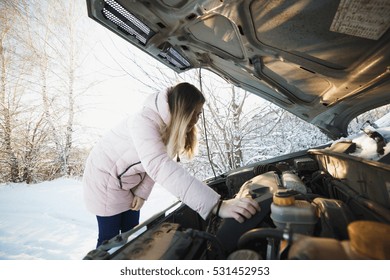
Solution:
(183, 99)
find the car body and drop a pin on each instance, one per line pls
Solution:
(325, 62)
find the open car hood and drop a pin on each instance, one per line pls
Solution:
(324, 61)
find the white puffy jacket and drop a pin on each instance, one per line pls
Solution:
(131, 157)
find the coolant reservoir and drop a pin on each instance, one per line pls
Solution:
(298, 215)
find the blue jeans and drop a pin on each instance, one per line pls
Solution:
(111, 226)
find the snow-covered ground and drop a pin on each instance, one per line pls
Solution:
(48, 221)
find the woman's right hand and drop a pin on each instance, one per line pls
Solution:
(137, 203)
(238, 208)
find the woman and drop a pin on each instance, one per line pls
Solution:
(123, 167)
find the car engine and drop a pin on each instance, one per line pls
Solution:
(316, 204)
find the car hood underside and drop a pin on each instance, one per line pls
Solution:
(324, 61)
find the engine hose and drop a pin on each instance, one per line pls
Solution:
(262, 233)
(263, 168)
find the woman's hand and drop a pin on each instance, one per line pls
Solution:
(137, 203)
(238, 208)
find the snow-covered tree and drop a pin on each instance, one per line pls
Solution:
(41, 50)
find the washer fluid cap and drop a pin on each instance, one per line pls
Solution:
(372, 239)
(284, 198)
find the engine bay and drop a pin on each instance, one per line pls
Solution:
(317, 204)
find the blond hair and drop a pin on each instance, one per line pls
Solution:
(179, 138)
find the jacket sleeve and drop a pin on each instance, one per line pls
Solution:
(168, 173)
(144, 189)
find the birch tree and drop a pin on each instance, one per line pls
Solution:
(61, 49)
(42, 52)
(14, 72)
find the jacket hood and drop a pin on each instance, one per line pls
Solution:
(158, 102)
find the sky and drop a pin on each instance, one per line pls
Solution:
(118, 94)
